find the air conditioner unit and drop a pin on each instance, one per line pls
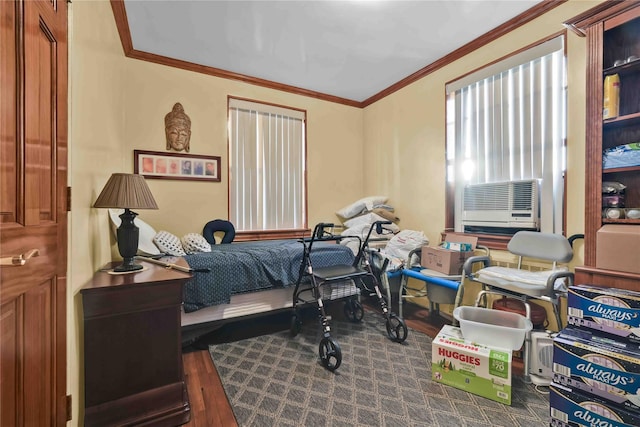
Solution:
(541, 357)
(511, 204)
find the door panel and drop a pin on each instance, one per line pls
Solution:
(9, 108)
(33, 173)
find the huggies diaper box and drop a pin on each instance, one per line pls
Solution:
(598, 365)
(570, 408)
(471, 367)
(610, 310)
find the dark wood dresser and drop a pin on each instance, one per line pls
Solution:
(133, 371)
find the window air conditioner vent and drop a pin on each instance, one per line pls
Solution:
(511, 204)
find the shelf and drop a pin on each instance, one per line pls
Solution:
(620, 170)
(630, 67)
(627, 119)
(620, 221)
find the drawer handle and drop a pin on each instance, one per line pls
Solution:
(19, 260)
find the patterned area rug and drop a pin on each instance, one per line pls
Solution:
(277, 380)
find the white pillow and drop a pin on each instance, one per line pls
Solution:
(147, 233)
(194, 243)
(369, 219)
(169, 243)
(362, 205)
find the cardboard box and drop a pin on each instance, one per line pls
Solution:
(597, 365)
(577, 409)
(477, 369)
(610, 310)
(448, 261)
(616, 247)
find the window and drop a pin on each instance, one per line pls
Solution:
(267, 167)
(507, 122)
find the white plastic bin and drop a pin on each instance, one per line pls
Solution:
(493, 328)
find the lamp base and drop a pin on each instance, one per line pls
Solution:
(127, 234)
(127, 266)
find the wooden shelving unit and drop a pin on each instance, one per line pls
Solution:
(612, 30)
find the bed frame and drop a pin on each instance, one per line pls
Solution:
(198, 323)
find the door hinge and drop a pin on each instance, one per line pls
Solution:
(69, 408)
(68, 199)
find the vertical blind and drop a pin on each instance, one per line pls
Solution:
(510, 126)
(266, 167)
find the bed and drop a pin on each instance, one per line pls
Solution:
(247, 278)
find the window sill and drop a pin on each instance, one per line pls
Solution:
(244, 236)
(491, 241)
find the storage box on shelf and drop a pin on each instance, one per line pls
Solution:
(618, 248)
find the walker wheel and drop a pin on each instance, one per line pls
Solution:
(396, 328)
(353, 310)
(296, 325)
(330, 353)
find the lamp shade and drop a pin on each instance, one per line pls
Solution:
(126, 190)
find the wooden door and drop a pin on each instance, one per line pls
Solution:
(33, 159)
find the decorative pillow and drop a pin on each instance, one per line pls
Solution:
(147, 233)
(169, 243)
(193, 243)
(362, 205)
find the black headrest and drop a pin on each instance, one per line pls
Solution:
(219, 225)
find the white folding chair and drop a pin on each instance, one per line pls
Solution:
(520, 283)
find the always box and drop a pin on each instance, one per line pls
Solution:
(449, 261)
(598, 365)
(569, 408)
(611, 310)
(474, 368)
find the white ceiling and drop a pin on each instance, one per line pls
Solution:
(352, 49)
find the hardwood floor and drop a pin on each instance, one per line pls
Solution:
(209, 405)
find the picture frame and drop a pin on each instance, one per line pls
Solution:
(162, 165)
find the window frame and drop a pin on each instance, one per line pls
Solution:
(247, 235)
(497, 241)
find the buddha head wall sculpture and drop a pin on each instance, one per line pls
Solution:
(177, 127)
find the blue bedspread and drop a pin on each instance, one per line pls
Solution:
(252, 266)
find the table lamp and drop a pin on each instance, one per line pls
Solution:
(126, 191)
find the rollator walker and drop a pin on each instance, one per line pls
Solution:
(344, 282)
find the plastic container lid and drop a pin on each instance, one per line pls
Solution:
(493, 328)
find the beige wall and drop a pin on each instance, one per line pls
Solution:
(118, 105)
(394, 147)
(405, 133)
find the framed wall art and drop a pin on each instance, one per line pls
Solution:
(192, 167)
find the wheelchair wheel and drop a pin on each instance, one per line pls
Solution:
(396, 328)
(330, 353)
(296, 325)
(353, 310)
